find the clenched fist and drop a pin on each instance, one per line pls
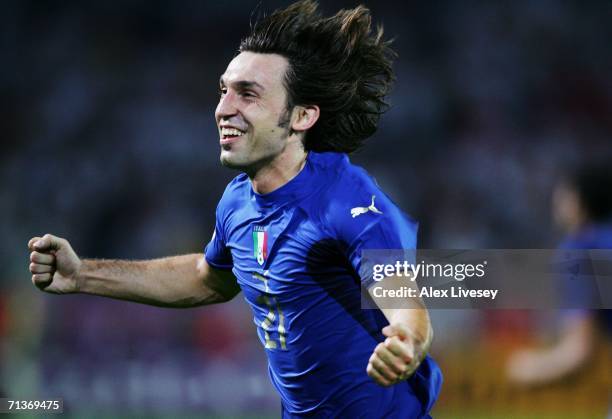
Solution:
(54, 265)
(396, 358)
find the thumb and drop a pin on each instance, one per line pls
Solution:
(47, 243)
(395, 330)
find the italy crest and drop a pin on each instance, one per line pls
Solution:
(260, 244)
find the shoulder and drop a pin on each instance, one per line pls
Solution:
(596, 236)
(342, 179)
(234, 195)
(353, 201)
(349, 186)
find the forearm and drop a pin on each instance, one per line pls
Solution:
(408, 339)
(169, 282)
(573, 349)
(412, 314)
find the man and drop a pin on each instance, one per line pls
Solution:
(582, 207)
(290, 230)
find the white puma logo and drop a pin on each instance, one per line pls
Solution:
(362, 210)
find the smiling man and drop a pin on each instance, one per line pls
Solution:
(290, 230)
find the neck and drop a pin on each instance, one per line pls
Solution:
(280, 170)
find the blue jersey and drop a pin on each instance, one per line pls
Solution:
(295, 253)
(582, 293)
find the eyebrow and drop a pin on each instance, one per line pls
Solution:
(243, 84)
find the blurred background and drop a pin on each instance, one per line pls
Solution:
(109, 140)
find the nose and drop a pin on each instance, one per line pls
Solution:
(226, 106)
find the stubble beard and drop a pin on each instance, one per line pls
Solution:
(251, 167)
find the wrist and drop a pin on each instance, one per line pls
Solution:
(421, 341)
(419, 335)
(79, 277)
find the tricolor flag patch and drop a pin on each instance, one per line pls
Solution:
(260, 244)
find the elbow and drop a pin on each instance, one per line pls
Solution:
(223, 297)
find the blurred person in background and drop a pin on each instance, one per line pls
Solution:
(582, 207)
(302, 92)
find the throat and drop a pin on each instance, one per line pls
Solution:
(276, 174)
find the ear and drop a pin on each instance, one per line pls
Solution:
(304, 117)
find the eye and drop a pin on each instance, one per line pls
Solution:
(222, 90)
(247, 94)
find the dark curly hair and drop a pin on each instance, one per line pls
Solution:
(336, 63)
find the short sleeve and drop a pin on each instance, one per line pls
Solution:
(216, 252)
(577, 280)
(384, 229)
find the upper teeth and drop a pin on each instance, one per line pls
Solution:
(231, 132)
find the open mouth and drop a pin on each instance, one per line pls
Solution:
(230, 134)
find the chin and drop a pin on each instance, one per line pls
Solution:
(232, 162)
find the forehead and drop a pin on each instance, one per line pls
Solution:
(266, 69)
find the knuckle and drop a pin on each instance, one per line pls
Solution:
(381, 370)
(386, 372)
(392, 343)
(43, 277)
(394, 340)
(401, 328)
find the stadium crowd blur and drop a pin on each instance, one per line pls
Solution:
(109, 140)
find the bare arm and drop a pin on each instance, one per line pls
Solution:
(178, 281)
(411, 324)
(543, 366)
(409, 336)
